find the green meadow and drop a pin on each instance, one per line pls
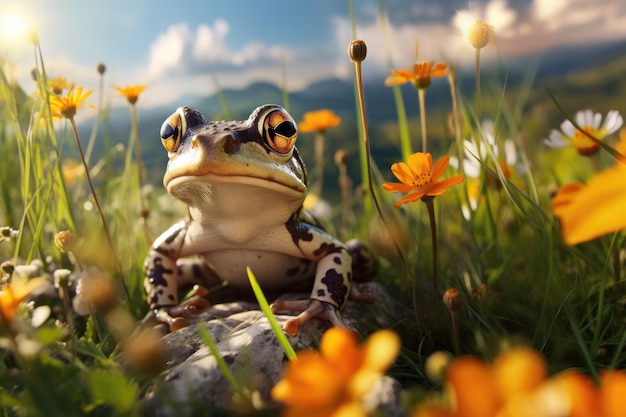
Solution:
(493, 238)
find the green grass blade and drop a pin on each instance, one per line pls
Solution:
(265, 308)
(221, 364)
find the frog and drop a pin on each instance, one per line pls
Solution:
(244, 184)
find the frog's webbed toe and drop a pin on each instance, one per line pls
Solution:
(176, 317)
(309, 309)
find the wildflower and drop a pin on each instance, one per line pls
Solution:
(420, 75)
(65, 241)
(480, 34)
(7, 233)
(592, 210)
(131, 92)
(334, 380)
(590, 124)
(420, 179)
(95, 292)
(11, 295)
(318, 121)
(66, 107)
(58, 84)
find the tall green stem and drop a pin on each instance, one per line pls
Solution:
(97, 203)
(433, 234)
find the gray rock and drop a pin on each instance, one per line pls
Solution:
(193, 383)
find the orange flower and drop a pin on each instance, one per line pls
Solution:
(131, 92)
(420, 75)
(11, 295)
(420, 179)
(318, 121)
(592, 210)
(67, 106)
(333, 381)
(516, 385)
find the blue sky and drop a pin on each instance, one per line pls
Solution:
(174, 46)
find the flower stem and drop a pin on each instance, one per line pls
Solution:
(477, 75)
(421, 92)
(95, 199)
(433, 234)
(319, 162)
(357, 67)
(135, 133)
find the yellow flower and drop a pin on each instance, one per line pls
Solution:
(11, 295)
(58, 84)
(589, 123)
(420, 75)
(418, 178)
(480, 34)
(131, 92)
(333, 381)
(592, 210)
(318, 121)
(67, 106)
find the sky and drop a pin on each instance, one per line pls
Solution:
(184, 47)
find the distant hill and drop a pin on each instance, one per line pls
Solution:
(598, 81)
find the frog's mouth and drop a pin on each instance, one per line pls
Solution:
(212, 181)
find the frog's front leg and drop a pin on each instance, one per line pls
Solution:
(161, 280)
(332, 278)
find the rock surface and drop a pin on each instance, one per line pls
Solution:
(193, 383)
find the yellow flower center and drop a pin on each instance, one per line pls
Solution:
(583, 144)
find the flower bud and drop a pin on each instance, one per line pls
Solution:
(479, 34)
(357, 50)
(341, 157)
(452, 299)
(65, 241)
(101, 68)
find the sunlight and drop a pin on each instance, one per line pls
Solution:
(15, 26)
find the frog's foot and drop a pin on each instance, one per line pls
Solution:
(310, 309)
(176, 317)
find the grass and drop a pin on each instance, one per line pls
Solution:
(520, 283)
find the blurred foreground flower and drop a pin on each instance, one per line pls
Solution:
(318, 121)
(419, 178)
(592, 210)
(66, 107)
(516, 384)
(589, 122)
(132, 92)
(58, 84)
(420, 75)
(332, 382)
(11, 295)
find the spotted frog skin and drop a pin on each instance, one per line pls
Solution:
(244, 184)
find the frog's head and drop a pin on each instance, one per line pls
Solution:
(258, 154)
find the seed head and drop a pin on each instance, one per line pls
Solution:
(101, 68)
(452, 299)
(357, 50)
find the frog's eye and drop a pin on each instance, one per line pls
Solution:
(173, 130)
(280, 131)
